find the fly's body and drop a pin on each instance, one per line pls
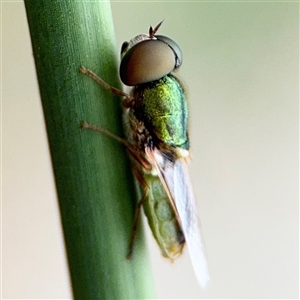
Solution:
(156, 122)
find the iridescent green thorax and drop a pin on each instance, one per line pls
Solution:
(162, 106)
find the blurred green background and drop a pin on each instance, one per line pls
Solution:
(241, 67)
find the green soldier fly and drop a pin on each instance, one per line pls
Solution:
(156, 124)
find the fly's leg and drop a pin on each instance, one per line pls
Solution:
(127, 98)
(87, 125)
(136, 155)
(142, 161)
(126, 102)
(138, 208)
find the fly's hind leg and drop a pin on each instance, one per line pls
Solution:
(138, 208)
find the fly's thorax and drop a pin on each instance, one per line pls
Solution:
(136, 132)
(139, 137)
(162, 106)
(162, 219)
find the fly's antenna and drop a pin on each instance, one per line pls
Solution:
(153, 31)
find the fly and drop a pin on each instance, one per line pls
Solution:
(156, 121)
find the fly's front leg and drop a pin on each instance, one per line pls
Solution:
(127, 98)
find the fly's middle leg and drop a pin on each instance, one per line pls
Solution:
(136, 155)
(140, 160)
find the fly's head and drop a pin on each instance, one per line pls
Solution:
(148, 57)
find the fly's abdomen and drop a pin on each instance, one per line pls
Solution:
(162, 219)
(162, 106)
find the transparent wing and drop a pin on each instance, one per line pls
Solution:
(178, 180)
(175, 177)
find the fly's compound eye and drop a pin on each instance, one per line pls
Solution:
(149, 60)
(176, 49)
(124, 48)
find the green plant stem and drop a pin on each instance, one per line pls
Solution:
(92, 173)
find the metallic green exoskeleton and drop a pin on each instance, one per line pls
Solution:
(156, 124)
(162, 106)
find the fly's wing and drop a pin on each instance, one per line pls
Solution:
(176, 180)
